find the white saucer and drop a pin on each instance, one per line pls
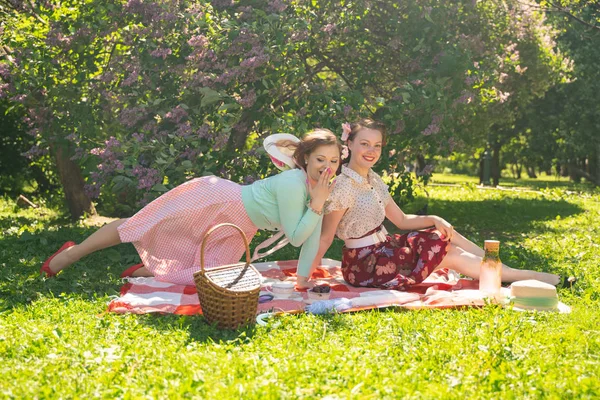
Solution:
(291, 296)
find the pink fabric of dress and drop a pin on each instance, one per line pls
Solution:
(168, 232)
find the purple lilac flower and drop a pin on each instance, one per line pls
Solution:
(198, 41)
(438, 57)
(203, 132)
(227, 76)
(470, 80)
(131, 116)
(255, 62)
(79, 153)
(395, 43)
(400, 125)
(147, 177)
(328, 28)
(248, 100)
(92, 190)
(276, 6)
(34, 132)
(4, 70)
(34, 152)
(176, 114)
(221, 4)
(221, 141)
(161, 53)
(434, 127)
(4, 89)
(452, 143)
(300, 35)
(131, 79)
(112, 142)
(465, 98)
(184, 130)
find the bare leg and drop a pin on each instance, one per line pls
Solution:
(142, 272)
(468, 263)
(104, 237)
(465, 244)
(460, 241)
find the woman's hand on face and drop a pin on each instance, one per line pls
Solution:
(320, 192)
(445, 228)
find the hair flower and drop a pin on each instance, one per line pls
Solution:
(346, 129)
(345, 152)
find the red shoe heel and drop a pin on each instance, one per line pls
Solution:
(129, 271)
(46, 266)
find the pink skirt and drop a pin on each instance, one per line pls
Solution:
(168, 232)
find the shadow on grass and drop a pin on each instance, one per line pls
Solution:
(198, 329)
(23, 254)
(501, 219)
(97, 275)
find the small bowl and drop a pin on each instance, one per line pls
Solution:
(282, 288)
(314, 296)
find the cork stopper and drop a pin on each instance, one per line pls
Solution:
(492, 245)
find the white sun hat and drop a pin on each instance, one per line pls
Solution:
(535, 295)
(281, 156)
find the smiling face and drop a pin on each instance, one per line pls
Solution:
(366, 148)
(321, 158)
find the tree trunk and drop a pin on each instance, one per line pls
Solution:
(420, 164)
(239, 133)
(531, 172)
(564, 170)
(596, 167)
(72, 183)
(496, 163)
(574, 173)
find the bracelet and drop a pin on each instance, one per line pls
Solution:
(315, 211)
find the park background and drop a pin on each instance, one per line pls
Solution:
(107, 104)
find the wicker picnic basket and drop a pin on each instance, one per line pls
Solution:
(228, 294)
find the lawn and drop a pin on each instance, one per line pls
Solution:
(56, 341)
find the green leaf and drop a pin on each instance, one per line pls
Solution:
(187, 164)
(113, 255)
(209, 96)
(159, 187)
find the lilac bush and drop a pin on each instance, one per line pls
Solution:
(147, 94)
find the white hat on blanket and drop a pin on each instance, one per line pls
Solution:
(281, 155)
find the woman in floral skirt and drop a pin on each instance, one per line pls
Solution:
(357, 207)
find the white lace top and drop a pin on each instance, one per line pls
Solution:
(364, 199)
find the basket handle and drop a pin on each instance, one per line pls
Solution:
(214, 228)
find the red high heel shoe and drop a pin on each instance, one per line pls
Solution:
(129, 271)
(46, 266)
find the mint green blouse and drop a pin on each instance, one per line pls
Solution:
(279, 202)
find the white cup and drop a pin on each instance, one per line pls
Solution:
(282, 288)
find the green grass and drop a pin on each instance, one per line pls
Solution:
(56, 341)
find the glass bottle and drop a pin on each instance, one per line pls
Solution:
(490, 271)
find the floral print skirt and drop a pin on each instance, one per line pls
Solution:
(401, 261)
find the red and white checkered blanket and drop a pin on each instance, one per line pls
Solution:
(147, 295)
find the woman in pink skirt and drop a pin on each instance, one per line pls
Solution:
(167, 233)
(359, 204)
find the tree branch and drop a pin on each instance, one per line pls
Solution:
(568, 12)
